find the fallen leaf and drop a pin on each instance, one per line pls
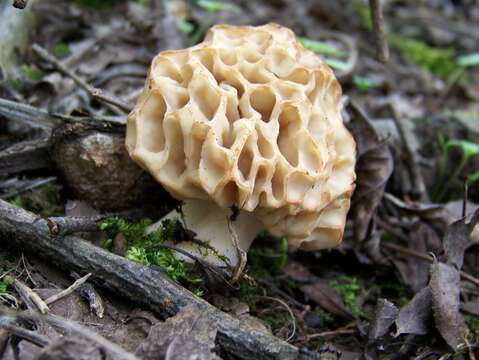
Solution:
(187, 335)
(415, 272)
(298, 272)
(445, 290)
(416, 316)
(385, 315)
(373, 169)
(457, 239)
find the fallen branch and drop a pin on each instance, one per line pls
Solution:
(143, 285)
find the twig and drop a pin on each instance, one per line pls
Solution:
(68, 290)
(25, 267)
(284, 304)
(30, 297)
(67, 225)
(40, 118)
(64, 324)
(240, 253)
(379, 32)
(345, 330)
(465, 199)
(20, 4)
(94, 92)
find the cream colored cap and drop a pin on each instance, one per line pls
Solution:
(251, 118)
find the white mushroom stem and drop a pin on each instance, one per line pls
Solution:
(210, 223)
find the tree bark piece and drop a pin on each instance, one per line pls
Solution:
(145, 286)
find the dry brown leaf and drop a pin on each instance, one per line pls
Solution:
(416, 316)
(415, 272)
(385, 315)
(328, 298)
(373, 169)
(187, 335)
(457, 239)
(445, 290)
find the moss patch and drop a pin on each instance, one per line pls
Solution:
(139, 247)
(438, 61)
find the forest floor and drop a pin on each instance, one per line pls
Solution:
(404, 283)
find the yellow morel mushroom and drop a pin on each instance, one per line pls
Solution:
(247, 119)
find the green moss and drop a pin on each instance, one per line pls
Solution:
(363, 12)
(17, 201)
(473, 325)
(185, 26)
(248, 293)
(139, 247)
(44, 200)
(32, 73)
(363, 84)
(4, 284)
(276, 320)
(61, 50)
(439, 61)
(350, 290)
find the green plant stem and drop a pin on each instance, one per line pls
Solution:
(451, 179)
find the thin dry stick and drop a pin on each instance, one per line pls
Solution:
(285, 305)
(68, 290)
(345, 330)
(239, 268)
(94, 92)
(379, 32)
(31, 298)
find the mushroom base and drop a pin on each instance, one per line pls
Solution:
(210, 223)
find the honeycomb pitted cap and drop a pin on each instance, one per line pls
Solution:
(250, 118)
